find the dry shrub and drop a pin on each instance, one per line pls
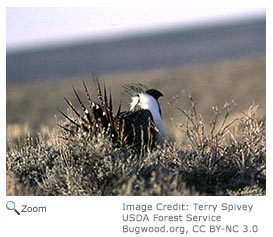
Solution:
(229, 153)
(227, 157)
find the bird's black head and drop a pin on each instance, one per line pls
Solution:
(155, 93)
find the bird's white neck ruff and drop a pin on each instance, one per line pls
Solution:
(146, 101)
(134, 102)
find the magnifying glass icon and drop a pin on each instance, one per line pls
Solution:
(11, 206)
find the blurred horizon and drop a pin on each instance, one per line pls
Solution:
(138, 52)
(38, 28)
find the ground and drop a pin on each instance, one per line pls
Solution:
(206, 153)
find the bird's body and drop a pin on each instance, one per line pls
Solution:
(145, 101)
(137, 128)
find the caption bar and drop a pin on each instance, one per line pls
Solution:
(183, 218)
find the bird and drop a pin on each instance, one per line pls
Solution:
(139, 128)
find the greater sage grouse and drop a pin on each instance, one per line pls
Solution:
(141, 127)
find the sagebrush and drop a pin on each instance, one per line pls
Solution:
(225, 157)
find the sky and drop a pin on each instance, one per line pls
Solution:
(41, 26)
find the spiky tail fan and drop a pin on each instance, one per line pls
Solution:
(96, 118)
(132, 129)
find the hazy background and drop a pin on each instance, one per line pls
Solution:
(217, 54)
(29, 27)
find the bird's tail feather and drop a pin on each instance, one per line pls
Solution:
(132, 129)
(97, 118)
